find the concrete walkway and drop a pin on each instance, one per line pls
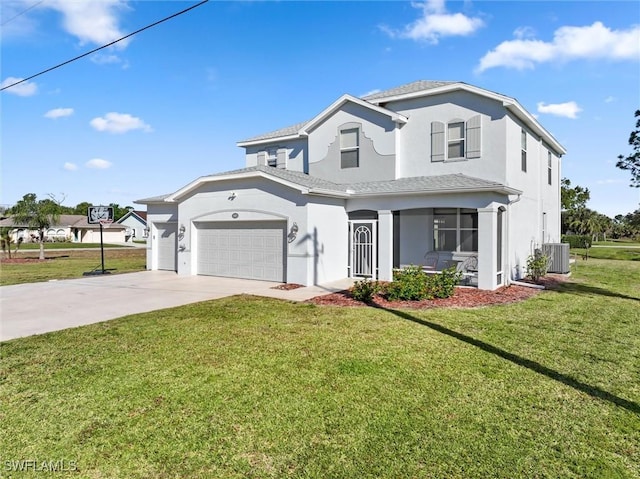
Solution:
(38, 308)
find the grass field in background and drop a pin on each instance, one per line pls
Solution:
(50, 246)
(629, 253)
(255, 387)
(71, 264)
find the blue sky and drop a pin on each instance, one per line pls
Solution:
(149, 115)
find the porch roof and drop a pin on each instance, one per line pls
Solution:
(307, 184)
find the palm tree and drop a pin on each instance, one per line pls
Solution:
(37, 215)
(6, 239)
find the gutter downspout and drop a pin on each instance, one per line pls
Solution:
(508, 228)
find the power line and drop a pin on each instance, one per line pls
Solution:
(21, 13)
(105, 46)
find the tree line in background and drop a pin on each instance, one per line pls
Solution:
(578, 219)
(40, 215)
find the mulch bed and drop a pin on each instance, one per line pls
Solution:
(288, 286)
(462, 298)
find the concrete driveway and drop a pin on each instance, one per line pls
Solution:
(38, 308)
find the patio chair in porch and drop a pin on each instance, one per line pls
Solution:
(469, 270)
(431, 260)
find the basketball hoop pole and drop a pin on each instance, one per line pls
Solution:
(101, 248)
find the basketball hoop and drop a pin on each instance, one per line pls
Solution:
(105, 223)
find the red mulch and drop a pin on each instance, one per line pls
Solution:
(462, 298)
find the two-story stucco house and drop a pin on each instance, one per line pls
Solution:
(370, 184)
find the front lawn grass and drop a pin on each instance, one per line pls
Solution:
(255, 387)
(71, 264)
(63, 245)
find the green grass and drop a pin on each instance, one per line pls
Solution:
(48, 246)
(254, 387)
(603, 252)
(71, 264)
(618, 242)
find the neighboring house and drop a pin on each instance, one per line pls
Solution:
(370, 184)
(73, 228)
(135, 223)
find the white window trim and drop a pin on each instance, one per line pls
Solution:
(271, 157)
(462, 140)
(347, 149)
(523, 151)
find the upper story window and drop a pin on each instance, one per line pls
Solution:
(549, 167)
(523, 153)
(275, 157)
(350, 148)
(456, 140)
(272, 157)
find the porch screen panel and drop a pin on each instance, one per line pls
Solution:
(444, 229)
(468, 230)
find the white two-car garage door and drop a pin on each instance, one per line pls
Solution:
(249, 249)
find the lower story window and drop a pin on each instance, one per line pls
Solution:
(455, 229)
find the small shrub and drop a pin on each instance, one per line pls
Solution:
(442, 285)
(537, 265)
(365, 290)
(577, 241)
(409, 284)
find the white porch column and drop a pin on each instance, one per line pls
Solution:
(385, 245)
(487, 247)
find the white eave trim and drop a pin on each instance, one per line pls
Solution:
(502, 189)
(533, 124)
(294, 136)
(336, 105)
(236, 176)
(510, 103)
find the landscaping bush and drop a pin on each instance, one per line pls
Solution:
(409, 284)
(537, 265)
(365, 290)
(577, 241)
(442, 285)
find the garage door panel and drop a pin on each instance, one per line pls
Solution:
(252, 250)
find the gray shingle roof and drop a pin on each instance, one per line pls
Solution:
(289, 130)
(425, 184)
(153, 199)
(420, 184)
(296, 177)
(413, 87)
(416, 86)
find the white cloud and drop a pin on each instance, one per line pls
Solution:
(58, 113)
(91, 21)
(70, 166)
(98, 164)
(568, 109)
(372, 92)
(109, 59)
(23, 89)
(436, 23)
(569, 43)
(610, 99)
(119, 123)
(524, 32)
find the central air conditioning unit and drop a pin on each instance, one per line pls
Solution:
(558, 254)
